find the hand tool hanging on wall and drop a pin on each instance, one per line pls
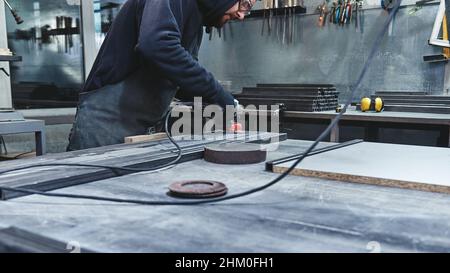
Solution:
(360, 16)
(292, 22)
(297, 3)
(348, 12)
(337, 13)
(278, 19)
(209, 31)
(388, 5)
(230, 28)
(341, 12)
(14, 13)
(323, 13)
(269, 19)
(264, 16)
(268, 7)
(271, 12)
(289, 22)
(283, 37)
(332, 12)
(224, 30)
(280, 16)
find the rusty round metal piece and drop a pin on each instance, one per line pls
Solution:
(198, 189)
(235, 153)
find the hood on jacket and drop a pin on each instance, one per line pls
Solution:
(212, 10)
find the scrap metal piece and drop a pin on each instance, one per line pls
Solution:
(200, 189)
(235, 153)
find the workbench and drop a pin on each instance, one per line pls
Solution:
(13, 123)
(37, 127)
(372, 122)
(297, 215)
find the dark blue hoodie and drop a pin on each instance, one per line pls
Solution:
(166, 35)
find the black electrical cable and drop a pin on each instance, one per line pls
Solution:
(246, 193)
(173, 162)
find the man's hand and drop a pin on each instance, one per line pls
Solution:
(235, 125)
(237, 106)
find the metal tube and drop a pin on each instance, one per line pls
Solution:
(9, 6)
(14, 13)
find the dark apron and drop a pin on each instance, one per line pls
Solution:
(107, 115)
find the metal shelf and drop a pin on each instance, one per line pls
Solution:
(260, 13)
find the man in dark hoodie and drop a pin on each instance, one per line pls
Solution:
(149, 54)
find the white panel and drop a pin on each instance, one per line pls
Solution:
(88, 22)
(5, 83)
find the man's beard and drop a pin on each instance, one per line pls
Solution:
(221, 21)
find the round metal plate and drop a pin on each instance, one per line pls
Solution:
(198, 189)
(235, 153)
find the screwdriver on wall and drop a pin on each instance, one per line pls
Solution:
(271, 7)
(264, 16)
(283, 37)
(291, 22)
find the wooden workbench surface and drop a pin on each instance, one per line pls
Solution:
(297, 215)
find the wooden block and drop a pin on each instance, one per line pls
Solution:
(14, 156)
(145, 138)
(399, 166)
(5, 52)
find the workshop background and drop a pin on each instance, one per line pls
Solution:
(56, 58)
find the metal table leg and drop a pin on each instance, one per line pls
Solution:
(334, 136)
(372, 133)
(40, 142)
(448, 136)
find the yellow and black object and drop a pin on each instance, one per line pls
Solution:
(378, 105)
(368, 104)
(339, 108)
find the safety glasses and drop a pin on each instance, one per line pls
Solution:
(245, 6)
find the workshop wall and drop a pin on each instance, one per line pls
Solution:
(331, 54)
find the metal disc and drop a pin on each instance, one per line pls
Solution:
(235, 153)
(198, 189)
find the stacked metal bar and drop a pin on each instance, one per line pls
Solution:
(294, 97)
(414, 101)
